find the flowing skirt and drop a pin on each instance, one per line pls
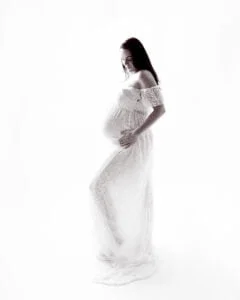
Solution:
(122, 205)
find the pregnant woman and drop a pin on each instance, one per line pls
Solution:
(121, 191)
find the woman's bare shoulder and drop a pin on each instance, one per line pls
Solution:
(146, 79)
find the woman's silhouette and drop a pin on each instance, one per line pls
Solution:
(121, 191)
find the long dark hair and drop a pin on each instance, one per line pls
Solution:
(140, 57)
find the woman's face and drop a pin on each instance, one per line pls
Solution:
(127, 61)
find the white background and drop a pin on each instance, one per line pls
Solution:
(60, 67)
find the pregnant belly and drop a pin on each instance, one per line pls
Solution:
(113, 127)
(120, 119)
(116, 122)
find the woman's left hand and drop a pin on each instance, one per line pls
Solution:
(129, 137)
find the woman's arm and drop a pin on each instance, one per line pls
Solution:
(147, 80)
(153, 116)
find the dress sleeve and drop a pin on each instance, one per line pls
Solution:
(153, 95)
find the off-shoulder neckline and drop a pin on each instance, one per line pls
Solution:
(143, 89)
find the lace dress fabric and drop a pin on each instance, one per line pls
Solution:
(121, 196)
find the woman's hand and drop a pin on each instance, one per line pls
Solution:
(129, 137)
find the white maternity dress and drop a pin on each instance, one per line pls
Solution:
(121, 195)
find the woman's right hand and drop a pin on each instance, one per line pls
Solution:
(128, 138)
